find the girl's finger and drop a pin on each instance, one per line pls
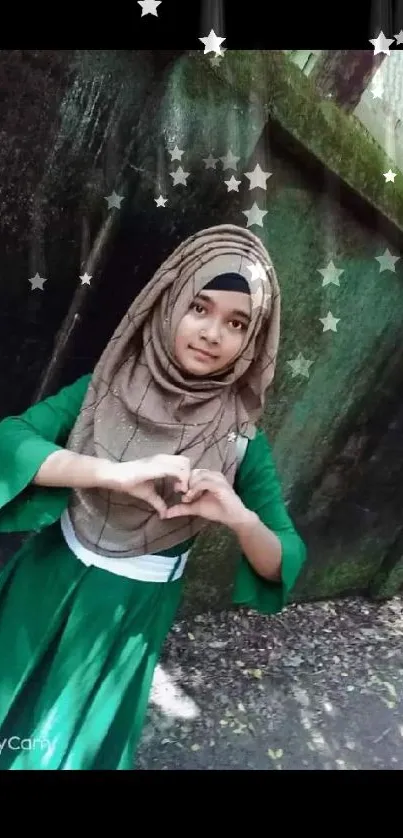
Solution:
(181, 509)
(157, 503)
(194, 494)
(204, 484)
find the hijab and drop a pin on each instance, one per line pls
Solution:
(140, 402)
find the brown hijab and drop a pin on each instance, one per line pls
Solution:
(140, 402)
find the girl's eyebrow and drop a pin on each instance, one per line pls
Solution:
(203, 296)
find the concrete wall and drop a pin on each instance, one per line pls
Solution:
(381, 107)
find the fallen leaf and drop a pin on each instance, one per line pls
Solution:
(190, 635)
(390, 689)
(241, 707)
(257, 673)
(275, 754)
(195, 748)
(390, 704)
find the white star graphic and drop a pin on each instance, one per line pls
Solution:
(37, 282)
(229, 161)
(216, 60)
(160, 201)
(399, 38)
(257, 297)
(149, 7)
(114, 200)
(176, 153)
(330, 274)
(381, 44)
(389, 176)
(257, 272)
(179, 176)
(377, 91)
(85, 279)
(210, 161)
(258, 178)
(300, 365)
(387, 262)
(232, 184)
(212, 43)
(254, 215)
(232, 436)
(329, 322)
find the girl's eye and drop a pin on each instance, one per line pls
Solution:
(197, 306)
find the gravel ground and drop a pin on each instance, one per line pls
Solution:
(319, 686)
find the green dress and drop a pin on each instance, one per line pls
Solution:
(78, 644)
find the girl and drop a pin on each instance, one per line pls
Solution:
(114, 476)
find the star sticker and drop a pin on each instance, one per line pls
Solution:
(258, 178)
(381, 44)
(232, 436)
(160, 201)
(229, 161)
(254, 215)
(329, 322)
(257, 272)
(149, 7)
(257, 297)
(179, 176)
(232, 184)
(37, 282)
(330, 274)
(212, 43)
(210, 161)
(300, 366)
(377, 91)
(399, 38)
(176, 153)
(216, 61)
(389, 176)
(114, 200)
(387, 261)
(85, 279)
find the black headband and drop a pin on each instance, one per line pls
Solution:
(228, 282)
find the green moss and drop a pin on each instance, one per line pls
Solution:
(335, 578)
(269, 80)
(388, 581)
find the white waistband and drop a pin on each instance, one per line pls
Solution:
(147, 568)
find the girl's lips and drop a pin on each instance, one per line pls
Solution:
(203, 354)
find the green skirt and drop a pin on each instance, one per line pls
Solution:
(78, 649)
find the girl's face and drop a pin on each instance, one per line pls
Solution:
(213, 331)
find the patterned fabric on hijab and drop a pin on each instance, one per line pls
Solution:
(140, 402)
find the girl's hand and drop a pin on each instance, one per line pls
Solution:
(209, 496)
(136, 477)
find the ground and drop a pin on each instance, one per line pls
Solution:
(319, 686)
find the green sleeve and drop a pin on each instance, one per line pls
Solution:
(25, 443)
(258, 486)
